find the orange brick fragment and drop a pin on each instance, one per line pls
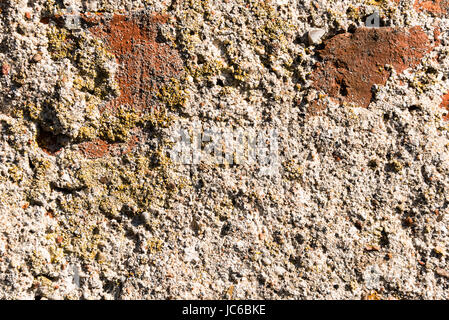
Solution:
(353, 63)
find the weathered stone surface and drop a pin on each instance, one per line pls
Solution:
(96, 202)
(436, 7)
(445, 105)
(145, 66)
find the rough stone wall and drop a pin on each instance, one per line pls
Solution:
(92, 205)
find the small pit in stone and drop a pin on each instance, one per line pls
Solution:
(51, 143)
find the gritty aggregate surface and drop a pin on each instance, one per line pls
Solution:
(92, 206)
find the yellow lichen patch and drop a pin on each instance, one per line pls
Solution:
(59, 45)
(292, 170)
(117, 125)
(207, 70)
(373, 295)
(92, 60)
(15, 173)
(173, 94)
(154, 245)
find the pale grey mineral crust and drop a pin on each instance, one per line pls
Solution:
(93, 205)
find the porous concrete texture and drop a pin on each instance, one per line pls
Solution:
(93, 206)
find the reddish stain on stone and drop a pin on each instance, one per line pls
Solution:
(94, 149)
(5, 69)
(353, 63)
(315, 108)
(437, 7)
(145, 63)
(436, 35)
(132, 143)
(445, 105)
